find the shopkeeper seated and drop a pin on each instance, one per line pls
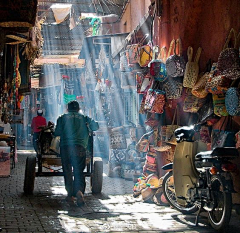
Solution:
(4, 123)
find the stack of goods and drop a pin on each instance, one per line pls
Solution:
(146, 186)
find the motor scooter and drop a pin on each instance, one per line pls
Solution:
(200, 179)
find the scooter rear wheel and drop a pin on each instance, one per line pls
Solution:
(169, 193)
(220, 216)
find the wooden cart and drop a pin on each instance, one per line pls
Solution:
(49, 164)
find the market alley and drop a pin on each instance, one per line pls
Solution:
(114, 210)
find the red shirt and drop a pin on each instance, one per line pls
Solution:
(38, 121)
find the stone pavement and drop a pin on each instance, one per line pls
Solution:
(114, 210)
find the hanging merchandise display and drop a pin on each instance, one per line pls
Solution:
(173, 87)
(133, 50)
(146, 83)
(159, 102)
(232, 99)
(192, 103)
(228, 60)
(170, 136)
(217, 84)
(155, 99)
(117, 138)
(192, 68)
(145, 54)
(163, 72)
(142, 105)
(223, 134)
(205, 134)
(206, 111)
(143, 82)
(198, 89)
(175, 64)
(152, 119)
(219, 106)
(155, 64)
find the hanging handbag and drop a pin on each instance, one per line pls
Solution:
(228, 60)
(175, 64)
(192, 103)
(222, 134)
(118, 139)
(145, 53)
(198, 89)
(155, 64)
(146, 84)
(170, 136)
(159, 102)
(152, 119)
(142, 105)
(154, 94)
(161, 74)
(217, 84)
(237, 136)
(205, 134)
(219, 106)
(206, 111)
(192, 68)
(150, 98)
(143, 81)
(232, 99)
(173, 87)
(143, 145)
(133, 50)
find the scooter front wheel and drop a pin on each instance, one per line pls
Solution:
(169, 193)
(220, 216)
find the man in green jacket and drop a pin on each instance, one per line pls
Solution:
(74, 129)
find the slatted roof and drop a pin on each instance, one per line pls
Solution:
(100, 7)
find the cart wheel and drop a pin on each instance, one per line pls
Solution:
(97, 176)
(29, 175)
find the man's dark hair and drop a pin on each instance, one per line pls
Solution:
(73, 106)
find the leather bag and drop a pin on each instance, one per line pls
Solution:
(146, 54)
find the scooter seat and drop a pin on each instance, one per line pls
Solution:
(219, 152)
(225, 152)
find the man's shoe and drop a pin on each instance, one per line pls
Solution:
(69, 200)
(80, 199)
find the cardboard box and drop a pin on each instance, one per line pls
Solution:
(4, 161)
